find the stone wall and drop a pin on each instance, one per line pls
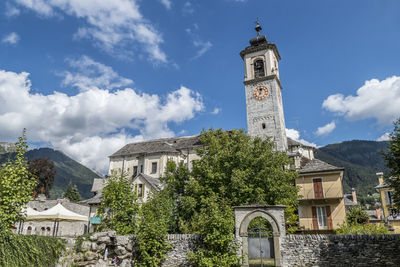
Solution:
(296, 250)
(100, 248)
(341, 250)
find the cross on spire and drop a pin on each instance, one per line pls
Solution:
(258, 27)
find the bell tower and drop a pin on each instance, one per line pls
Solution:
(264, 106)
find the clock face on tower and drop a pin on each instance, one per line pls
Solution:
(260, 92)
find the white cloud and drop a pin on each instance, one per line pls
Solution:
(295, 135)
(384, 137)
(216, 111)
(203, 47)
(114, 26)
(11, 38)
(11, 10)
(93, 123)
(187, 8)
(376, 99)
(326, 129)
(90, 74)
(166, 3)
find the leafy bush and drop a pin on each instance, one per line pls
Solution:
(363, 229)
(156, 219)
(29, 250)
(16, 186)
(119, 208)
(356, 215)
(215, 221)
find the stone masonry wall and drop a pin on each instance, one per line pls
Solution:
(341, 250)
(296, 250)
(91, 251)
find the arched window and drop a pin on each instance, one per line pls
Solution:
(48, 229)
(29, 230)
(42, 231)
(259, 68)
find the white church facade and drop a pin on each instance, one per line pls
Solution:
(321, 206)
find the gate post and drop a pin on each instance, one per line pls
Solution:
(273, 214)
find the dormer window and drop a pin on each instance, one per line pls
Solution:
(153, 167)
(259, 68)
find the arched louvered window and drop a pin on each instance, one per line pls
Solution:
(259, 68)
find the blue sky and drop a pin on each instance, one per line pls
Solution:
(89, 76)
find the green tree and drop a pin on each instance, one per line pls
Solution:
(392, 157)
(16, 186)
(356, 215)
(174, 182)
(241, 170)
(215, 222)
(234, 169)
(119, 209)
(155, 221)
(44, 171)
(72, 193)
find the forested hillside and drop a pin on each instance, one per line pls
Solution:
(361, 160)
(67, 170)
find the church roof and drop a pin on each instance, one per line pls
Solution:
(348, 200)
(159, 145)
(292, 142)
(154, 182)
(98, 184)
(96, 199)
(317, 165)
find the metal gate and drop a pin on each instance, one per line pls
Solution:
(260, 247)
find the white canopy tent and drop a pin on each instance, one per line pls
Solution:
(57, 213)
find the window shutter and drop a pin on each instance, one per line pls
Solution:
(329, 217)
(318, 188)
(314, 218)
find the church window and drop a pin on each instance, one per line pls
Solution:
(134, 171)
(153, 167)
(263, 126)
(48, 231)
(140, 190)
(259, 68)
(42, 231)
(29, 230)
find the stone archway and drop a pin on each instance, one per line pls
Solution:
(273, 214)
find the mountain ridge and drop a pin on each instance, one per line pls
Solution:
(67, 170)
(362, 159)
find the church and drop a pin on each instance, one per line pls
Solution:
(321, 202)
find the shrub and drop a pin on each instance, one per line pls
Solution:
(29, 250)
(356, 215)
(363, 229)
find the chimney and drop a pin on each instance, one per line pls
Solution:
(380, 177)
(354, 195)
